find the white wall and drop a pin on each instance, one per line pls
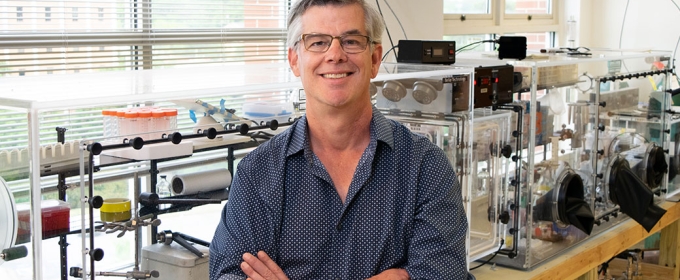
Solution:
(422, 20)
(649, 24)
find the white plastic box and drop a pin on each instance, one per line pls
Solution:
(174, 262)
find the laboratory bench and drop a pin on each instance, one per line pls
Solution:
(581, 262)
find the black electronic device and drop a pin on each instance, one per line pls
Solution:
(493, 85)
(512, 47)
(427, 52)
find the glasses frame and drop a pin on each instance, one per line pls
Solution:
(302, 38)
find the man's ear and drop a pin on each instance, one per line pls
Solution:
(293, 61)
(376, 56)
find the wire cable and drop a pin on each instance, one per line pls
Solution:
(475, 43)
(675, 49)
(388, 51)
(397, 18)
(491, 258)
(625, 12)
(377, 2)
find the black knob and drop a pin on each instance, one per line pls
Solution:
(513, 182)
(512, 206)
(97, 254)
(211, 133)
(600, 152)
(606, 218)
(155, 274)
(242, 129)
(175, 137)
(512, 255)
(136, 143)
(506, 151)
(515, 133)
(667, 131)
(273, 125)
(504, 217)
(95, 148)
(514, 158)
(600, 176)
(600, 127)
(615, 214)
(603, 104)
(96, 201)
(597, 222)
(148, 199)
(598, 199)
(512, 231)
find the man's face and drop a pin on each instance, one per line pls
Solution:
(335, 78)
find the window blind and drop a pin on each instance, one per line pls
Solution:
(53, 37)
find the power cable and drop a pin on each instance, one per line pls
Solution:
(676, 48)
(475, 43)
(625, 12)
(397, 18)
(491, 258)
(377, 2)
(388, 51)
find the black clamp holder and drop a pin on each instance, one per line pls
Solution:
(167, 236)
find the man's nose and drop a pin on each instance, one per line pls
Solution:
(335, 51)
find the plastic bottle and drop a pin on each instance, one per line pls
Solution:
(130, 122)
(144, 124)
(158, 123)
(120, 124)
(171, 116)
(109, 119)
(163, 187)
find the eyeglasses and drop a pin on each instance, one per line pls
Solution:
(322, 42)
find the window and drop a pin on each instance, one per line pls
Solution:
(143, 34)
(530, 7)
(467, 7)
(20, 13)
(500, 17)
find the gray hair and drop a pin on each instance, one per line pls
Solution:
(372, 19)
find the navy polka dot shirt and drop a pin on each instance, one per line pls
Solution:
(403, 210)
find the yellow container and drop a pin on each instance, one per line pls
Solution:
(115, 210)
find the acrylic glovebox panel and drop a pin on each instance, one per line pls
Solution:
(475, 148)
(491, 149)
(586, 121)
(70, 101)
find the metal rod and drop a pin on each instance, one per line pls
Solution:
(90, 176)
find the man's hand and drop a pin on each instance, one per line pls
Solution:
(392, 274)
(261, 267)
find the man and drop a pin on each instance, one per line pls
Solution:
(344, 193)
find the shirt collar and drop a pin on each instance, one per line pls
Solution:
(381, 128)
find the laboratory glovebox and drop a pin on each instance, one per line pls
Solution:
(572, 145)
(49, 163)
(474, 140)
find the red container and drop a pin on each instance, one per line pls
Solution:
(55, 219)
